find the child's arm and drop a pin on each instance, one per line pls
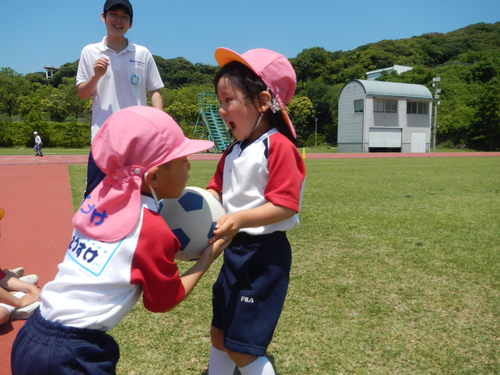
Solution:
(157, 99)
(194, 274)
(229, 225)
(86, 89)
(9, 299)
(14, 284)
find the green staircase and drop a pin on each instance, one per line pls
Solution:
(213, 125)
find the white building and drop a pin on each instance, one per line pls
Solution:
(376, 116)
(49, 71)
(374, 74)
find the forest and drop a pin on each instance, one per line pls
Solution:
(467, 60)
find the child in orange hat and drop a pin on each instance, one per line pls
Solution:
(259, 181)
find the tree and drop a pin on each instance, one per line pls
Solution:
(311, 63)
(301, 111)
(484, 132)
(183, 113)
(12, 87)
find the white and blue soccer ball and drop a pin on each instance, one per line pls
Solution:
(192, 217)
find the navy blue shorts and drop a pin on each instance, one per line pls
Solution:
(47, 348)
(250, 291)
(94, 175)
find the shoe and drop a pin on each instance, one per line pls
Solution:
(24, 312)
(30, 279)
(19, 271)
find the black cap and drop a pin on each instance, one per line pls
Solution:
(119, 3)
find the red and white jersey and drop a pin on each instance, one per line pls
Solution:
(99, 282)
(270, 169)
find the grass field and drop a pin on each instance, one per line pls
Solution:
(396, 271)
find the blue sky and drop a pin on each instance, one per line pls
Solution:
(35, 33)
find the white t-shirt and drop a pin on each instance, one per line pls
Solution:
(130, 73)
(270, 169)
(98, 283)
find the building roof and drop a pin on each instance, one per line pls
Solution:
(398, 68)
(395, 89)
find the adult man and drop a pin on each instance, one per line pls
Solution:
(116, 73)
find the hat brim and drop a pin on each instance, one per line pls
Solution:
(189, 147)
(224, 56)
(288, 121)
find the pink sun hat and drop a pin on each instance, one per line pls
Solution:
(130, 143)
(272, 67)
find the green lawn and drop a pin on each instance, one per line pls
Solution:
(396, 271)
(85, 151)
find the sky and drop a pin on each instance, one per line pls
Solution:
(36, 33)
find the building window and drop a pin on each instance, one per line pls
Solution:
(384, 105)
(420, 108)
(358, 106)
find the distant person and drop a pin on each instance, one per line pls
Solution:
(38, 144)
(121, 248)
(116, 73)
(259, 181)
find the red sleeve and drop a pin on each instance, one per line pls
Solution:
(286, 173)
(216, 181)
(153, 266)
(2, 274)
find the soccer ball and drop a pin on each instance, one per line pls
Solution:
(192, 217)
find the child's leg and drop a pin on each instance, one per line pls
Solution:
(219, 363)
(223, 361)
(261, 366)
(5, 313)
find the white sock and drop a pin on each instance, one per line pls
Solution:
(261, 366)
(220, 363)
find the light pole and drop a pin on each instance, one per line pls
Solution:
(315, 132)
(437, 91)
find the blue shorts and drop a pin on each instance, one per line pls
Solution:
(250, 291)
(94, 175)
(47, 348)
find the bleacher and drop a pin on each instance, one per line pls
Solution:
(212, 126)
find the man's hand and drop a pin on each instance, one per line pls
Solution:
(101, 66)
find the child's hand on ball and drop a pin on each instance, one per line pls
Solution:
(227, 227)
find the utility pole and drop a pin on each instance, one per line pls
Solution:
(315, 132)
(437, 91)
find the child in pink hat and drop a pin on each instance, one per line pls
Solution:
(259, 181)
(120, 248)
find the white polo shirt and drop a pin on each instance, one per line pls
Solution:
(130, 73)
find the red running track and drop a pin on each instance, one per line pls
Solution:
(35, 230)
